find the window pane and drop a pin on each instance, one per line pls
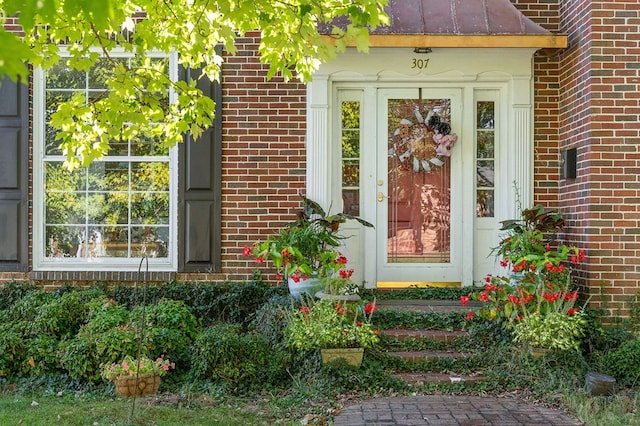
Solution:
(150, 241)
(52, 146)
(53, 100)
(59, 178)
(485, 144)
(150, 176)
(484, 173)
(117, 208)
(486, 115)
(98, 75)
(61, 77)
(351, 144)
(484, 206)
(350, 115)
(351, 201)
(64, 207)
(150, 208)
(148, 146)
(350, 173)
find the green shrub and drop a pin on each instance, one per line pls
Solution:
(28, 308)
(12, 292)
(624, 362)
(170, 327)
(40, 356)
(11, 346)
(210, 303)
(271, 319)
(61, 316)
(222, 353)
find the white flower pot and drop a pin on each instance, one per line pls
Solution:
(308, 286)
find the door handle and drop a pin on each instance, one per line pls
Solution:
(381, 196)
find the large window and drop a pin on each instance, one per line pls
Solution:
(111, 214)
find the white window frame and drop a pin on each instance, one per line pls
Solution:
(40, 261)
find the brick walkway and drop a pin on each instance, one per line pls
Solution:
(449, 410)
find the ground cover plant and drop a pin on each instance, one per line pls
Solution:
(233, 362)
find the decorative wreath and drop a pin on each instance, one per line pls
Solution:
(422, 145)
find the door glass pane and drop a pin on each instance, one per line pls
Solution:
(485, 158)
(350, 141)
(419, 181)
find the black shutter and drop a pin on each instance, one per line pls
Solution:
(199, 224)
(14, 139)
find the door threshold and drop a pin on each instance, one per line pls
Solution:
(417, 284)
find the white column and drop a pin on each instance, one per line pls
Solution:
(317, 143)
(521, 145)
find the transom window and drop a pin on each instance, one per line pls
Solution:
(119, 209)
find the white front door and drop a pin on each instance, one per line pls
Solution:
(419, 205)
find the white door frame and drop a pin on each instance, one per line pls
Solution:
(508, 69)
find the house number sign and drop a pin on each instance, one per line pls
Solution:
(419, 63)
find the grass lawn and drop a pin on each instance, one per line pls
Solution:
(70, 410)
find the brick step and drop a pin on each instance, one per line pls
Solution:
(416, 356)
(419, 379)
(431, 305)
(437, 335)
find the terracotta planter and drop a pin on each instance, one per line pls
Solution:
(308, 286)
(537, 352)
(147, 384)
(353, 356)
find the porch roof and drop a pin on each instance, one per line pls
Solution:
(460, 23)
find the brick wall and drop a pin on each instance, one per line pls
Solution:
(597, 113)
(602, 118)
(264, 157)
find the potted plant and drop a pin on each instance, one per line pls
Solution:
(305, 251)
(136, 377)
(340, 287)
(340, 329)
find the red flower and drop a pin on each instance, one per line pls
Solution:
(520, 266)
(470, 315)
(484, 297)
(285, 253)
(547, 247)
(339, 309)
(260, 259)
(279, 277)
(341, 259)
(370, 308)
(572, 311)
(296, 277)
(551, 297)
(359, 323)
(246, 251)
(346, 273)
(504, 263)
(464, 300)
(513, 299)
(490, 287)
(304, 310)
(572, 295)
(487, 279)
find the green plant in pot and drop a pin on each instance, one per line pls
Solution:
(305, 249)
(325, 324)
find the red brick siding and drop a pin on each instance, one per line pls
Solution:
(264, 158)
